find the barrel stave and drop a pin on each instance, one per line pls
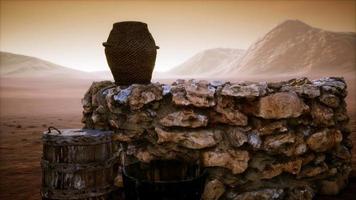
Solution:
(81, 164)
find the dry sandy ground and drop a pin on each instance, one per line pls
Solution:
(28, 107)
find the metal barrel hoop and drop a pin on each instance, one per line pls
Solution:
(54, 128)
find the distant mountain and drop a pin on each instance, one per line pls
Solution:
(207, 62)
(15, 65)
(294, 47)
(290, 48)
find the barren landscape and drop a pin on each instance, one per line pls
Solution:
(36, 94)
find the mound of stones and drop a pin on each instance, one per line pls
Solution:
(257, 140)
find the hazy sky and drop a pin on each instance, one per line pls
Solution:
(70, 33)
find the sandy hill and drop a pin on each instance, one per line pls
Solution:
(207, 62)
(21, 66)
(294, 47)
(291, 48)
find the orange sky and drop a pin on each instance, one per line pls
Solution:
(70, 33)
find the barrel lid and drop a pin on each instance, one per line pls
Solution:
(75, 136)
(77, 132)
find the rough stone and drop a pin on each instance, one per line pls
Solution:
(261, 160)
(245, 90)
(338, 83)
(319, 158)
(292, 167)
(236, 137)
(310, 91)
(334, 185)
(301, 193)
(254, 140)
(227, 113)
(297, 148)
(111, 102)
(213, 190)
(308, 158)
(185, 118)
(276, 85)
(285, 182)
(99, 91)
(273, 127)
(252, 174)
(276, 141)
(118, 182)
(298, 81)
(170, 151)
(193, 92)
(342, 152)
(306, 90)
(311, 171)
(198, 139)
(324, 140)
(179, 95)
(136, 122)
(114, 123)
(226, 176)
(166, 89)
(229, 116)
(97, 118)
(340, 114)
(88, 102)
(332, 85)
(262, 194)
(322, 115)
(143, 94)
(146, 156)
(280, 105)
(216, 83)
(200, 93)
(125, 136)
(330, 100)
(122, 95)
(285, 140)
(290, 144)
(235, 160)
(300, 149)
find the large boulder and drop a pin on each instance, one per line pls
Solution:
(324, 140)
(280, 105)
(193, 92)
(245, 90)
(235, 160)
(213, 190)
(185, 118)
(196, 139)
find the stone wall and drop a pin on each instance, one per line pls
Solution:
(280, 140)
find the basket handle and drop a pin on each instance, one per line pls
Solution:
(105, 44)
(54, 128)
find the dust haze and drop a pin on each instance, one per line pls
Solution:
(35, 93)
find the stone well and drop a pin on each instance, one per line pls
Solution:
(257, 140)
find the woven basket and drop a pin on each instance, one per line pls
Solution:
(131, 53)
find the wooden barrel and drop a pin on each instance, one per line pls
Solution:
(78, 164)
